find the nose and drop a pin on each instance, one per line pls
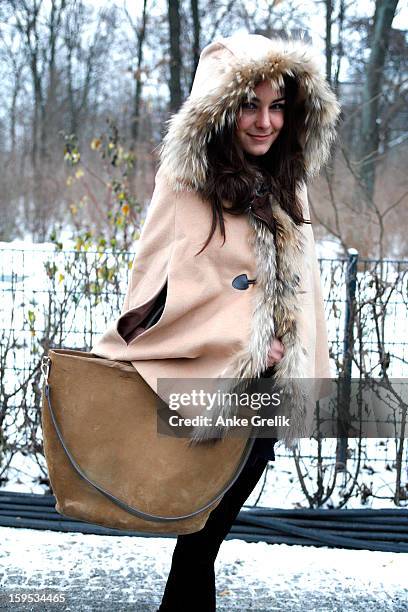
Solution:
(263, 118)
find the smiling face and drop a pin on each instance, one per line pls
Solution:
(260, 120)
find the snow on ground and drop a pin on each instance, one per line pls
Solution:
(104, 573)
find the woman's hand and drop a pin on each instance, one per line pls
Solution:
(276, 352)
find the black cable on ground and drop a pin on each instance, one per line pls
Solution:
(378, 530)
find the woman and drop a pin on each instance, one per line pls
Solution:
(225, 283)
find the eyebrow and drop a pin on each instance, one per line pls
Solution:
(255, 99)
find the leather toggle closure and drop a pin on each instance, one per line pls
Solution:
(242, 282)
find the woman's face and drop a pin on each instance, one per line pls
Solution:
(260, 121)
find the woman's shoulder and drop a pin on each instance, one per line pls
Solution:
(173, 210)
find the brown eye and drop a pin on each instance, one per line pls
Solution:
(248, 106)
(278, 106)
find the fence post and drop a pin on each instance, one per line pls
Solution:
(345, 375)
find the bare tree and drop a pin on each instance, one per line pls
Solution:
(85, 63)
(139, 31)
(369, 137)
(196, 36)
(328, 39)
(175, 55)
(340, 45)
(65, 69)
(39, 28)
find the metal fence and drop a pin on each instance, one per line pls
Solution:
(67, 298)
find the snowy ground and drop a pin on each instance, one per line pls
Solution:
(103, 573)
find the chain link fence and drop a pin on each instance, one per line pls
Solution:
(60, 298)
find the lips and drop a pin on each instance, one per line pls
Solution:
(260, 137)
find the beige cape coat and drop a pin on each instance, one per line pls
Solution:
(209, 328)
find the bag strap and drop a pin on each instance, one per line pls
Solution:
(130, 509)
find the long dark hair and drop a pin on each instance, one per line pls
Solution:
(234, 175)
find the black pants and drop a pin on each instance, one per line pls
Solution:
(191, 582)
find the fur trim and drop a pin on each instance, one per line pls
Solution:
(278, 261)
(183, 152)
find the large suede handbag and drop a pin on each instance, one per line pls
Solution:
(107, 463)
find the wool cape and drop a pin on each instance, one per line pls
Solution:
(209, 328)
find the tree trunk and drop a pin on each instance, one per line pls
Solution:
(139, 84)
(369, 137)
(196, 38)
(175, 55)
(329, 65)
(340, 47)
(329, 51)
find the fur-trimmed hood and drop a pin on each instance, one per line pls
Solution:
(226, 74)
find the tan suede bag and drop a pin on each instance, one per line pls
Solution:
(108, 465)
